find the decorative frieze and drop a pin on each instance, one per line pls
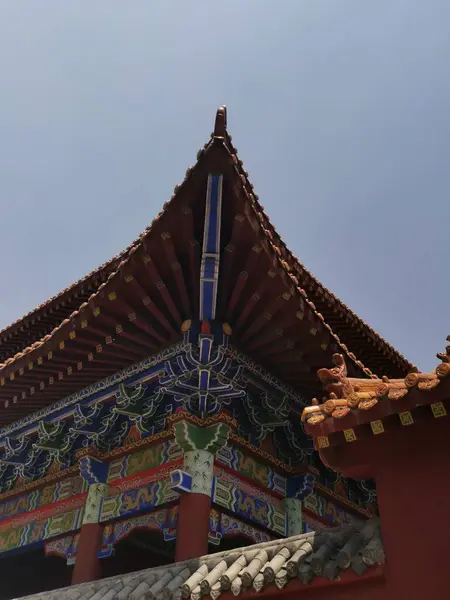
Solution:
(249, 502)
(329, 510)
(40, 530)
(137, 500)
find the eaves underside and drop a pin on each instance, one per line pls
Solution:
(255, 264)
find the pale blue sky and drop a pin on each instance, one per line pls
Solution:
(340, 110)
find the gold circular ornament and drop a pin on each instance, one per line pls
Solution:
(186, 326)
(226, 328)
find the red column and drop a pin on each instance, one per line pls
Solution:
(193, 526)
(87, 564)
(200, 445)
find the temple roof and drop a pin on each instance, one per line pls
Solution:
(135, 304)
(42, 319)
(355, 401)
(290, 562)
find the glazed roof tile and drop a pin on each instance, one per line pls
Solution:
(276, 563)
(69, 294)
(349, 394)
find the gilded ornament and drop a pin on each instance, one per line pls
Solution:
(428, 384)
(377, 427)
(412, 379)
(353, 400)
(340, 412)
(381, 389)
(315, 418)
(367, 403)
(406, 418)
(397, 394)
(226, 328)
(443, 370)
(350, 435)
(438, 410)
(186, 325)
(322, 441)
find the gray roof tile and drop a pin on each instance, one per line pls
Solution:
(276, 562)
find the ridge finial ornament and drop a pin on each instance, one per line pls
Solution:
(335, 380)
(445, 356)
(220, 125)
(443, 370)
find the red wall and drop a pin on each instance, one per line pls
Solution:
(411, 466)
(413, 484)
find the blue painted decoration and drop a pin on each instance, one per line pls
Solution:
(209, 272)
(300, 486)
(180, 481)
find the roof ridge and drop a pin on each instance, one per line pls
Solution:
(347, 394)
(70, 287)
(347, 312)
(281, 249)
(125, 256)
(59, 294)
(109, 262)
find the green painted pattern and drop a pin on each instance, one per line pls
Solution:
(249, 467)
(23, 535)
(137, 500)
(329, 510)
(143, 460)
(249, 502)
(211, 439)
(59, 490)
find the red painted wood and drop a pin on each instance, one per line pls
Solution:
(163, 290)
(137, 290)
(413, 483)
(177, 272)
(193, 526)
(206, 327)
(87, 564)
(382, 410)
(411, 467)
(145, 477)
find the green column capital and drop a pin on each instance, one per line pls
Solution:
(210, 439)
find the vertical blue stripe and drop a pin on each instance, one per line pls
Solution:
(213, 238)
(211, 248)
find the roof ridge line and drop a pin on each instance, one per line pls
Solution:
(63, 291)
(347, 394)
(125, 255)
(219, 128)
(299, 289)
(348, 312)
(221, 134)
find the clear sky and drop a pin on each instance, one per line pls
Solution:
(340, 110)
